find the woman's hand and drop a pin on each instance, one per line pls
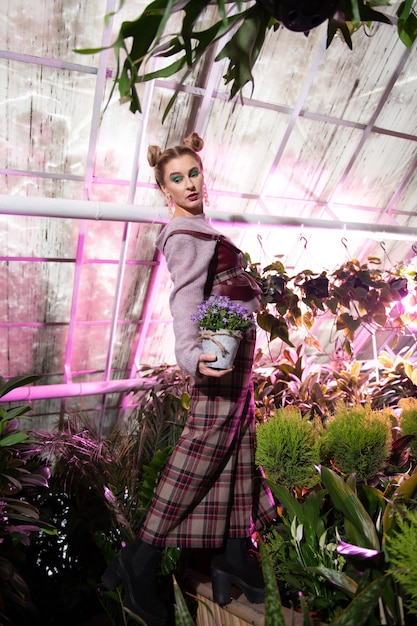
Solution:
(206, 370)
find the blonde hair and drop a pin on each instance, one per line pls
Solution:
(159, 159)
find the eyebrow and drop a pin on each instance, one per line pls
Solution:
(181, 174)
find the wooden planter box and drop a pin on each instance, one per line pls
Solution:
(240, 612)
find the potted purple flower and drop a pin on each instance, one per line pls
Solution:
(221, 322)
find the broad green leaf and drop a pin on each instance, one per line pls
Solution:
(355, 13)
(362, 605)
(17, 412)
(405, 9)
(185, 401)
(340, 579)
(13, 383)
(407, 30)
(13, 439)
(283, 496)
(346, 501)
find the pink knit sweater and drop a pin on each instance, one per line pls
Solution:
(188, 259)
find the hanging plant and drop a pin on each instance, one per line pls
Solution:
(356, 295)
(242, 24)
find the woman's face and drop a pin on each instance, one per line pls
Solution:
(183, 184)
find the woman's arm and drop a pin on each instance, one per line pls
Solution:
(187, 259)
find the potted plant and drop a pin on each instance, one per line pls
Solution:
(221, 322)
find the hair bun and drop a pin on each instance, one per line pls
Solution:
(154, 152)
(194, 141)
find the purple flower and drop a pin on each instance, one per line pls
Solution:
(220, 312)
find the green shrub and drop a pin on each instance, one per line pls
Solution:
(402, 550)
(408, 421)
(286, 447)
(358, 440)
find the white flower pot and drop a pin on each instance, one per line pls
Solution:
(224, 344)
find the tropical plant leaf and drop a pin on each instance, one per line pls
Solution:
(14, 383)
(340, 579)
(244, 47)
(346, 501)
(362, 605)
(16, 412)
(13, 439)
(407, 29)
(284, 497)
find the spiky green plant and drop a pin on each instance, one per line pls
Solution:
(357, 440)
(286, 448)
(401, 545)
(408, 421)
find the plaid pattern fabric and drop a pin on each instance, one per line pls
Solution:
(209, 489)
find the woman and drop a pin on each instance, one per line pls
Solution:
(208, 495)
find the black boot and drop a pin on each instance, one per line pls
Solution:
(239, 567)
(136, 566)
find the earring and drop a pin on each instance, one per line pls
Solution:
(206, 199)
(170, 205)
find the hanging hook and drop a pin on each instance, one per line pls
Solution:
(386, 255)
(302, 238)
(344, 243)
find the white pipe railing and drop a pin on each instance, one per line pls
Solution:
(71, 390)
(118, 212)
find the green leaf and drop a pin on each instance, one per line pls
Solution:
(273, 608)
(17, 381)
(306, 612)
(16, 412)
(367, 14)
(347, 322)
(407, 30)
(355, 13)
(185, 401)
(21, 509)
(13, 439)
(406, 491)
(151, 476)
(182, 614)
(340, 579)
(284, 497)
(276, 326)
(405, 9)
(346, 501)
(244, 47)
(362, 605)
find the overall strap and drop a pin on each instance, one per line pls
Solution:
(200, 235)
(225, 275)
